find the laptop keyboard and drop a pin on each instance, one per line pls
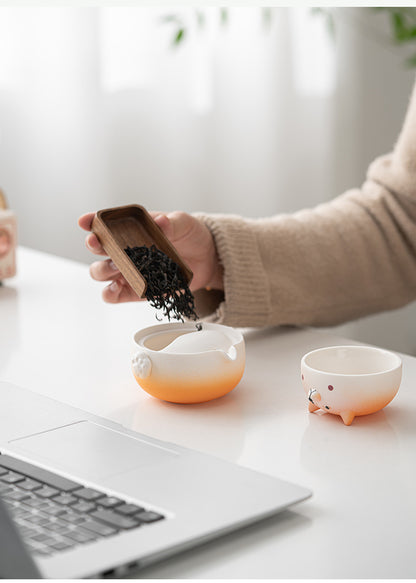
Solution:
(54, 513)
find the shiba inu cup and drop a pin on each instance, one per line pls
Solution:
(350, 380)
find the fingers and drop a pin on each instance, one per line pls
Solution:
(104, 270)
(93, 244)
(85, 221)
(118, 292)
(91, 241)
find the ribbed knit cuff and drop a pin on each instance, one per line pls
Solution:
(246, 286)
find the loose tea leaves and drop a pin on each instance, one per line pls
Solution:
(167, 289)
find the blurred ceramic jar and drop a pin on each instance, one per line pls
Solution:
(8, 240)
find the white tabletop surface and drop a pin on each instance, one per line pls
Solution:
(57, 337)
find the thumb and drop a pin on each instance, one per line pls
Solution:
(165, 224)
(177, 225)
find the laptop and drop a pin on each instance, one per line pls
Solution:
(91, 498)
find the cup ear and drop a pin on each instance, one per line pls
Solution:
(142, 365)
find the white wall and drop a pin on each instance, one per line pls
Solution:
(91, 118)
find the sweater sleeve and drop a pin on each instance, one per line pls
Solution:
(350, 257)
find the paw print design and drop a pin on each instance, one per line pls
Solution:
(142, 365)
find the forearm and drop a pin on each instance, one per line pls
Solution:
(353, 256)
(342, 260)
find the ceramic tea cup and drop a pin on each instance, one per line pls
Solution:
(350, 380)
(188, 362)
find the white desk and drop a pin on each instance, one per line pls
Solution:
(58, 338)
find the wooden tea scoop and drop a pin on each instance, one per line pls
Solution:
(132, 226)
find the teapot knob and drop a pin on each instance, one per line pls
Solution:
(142, 365)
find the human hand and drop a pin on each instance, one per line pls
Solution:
(190, 237)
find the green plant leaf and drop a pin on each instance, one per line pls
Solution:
(402, 23)
(411, 62)
(170, 18)
(179, 36)
(329, 19)
(224, 16)
(267, 17)
(200, 18)
(399, 28)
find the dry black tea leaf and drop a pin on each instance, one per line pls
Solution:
(167, 289)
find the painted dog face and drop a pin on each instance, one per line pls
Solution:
(325, 397)
(315, 397)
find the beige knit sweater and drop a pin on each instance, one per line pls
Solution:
(351, 257)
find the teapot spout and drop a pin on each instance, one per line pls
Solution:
(230, 354)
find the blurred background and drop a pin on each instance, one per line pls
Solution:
(248, 110)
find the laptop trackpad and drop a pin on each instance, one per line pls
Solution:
(90, 450)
